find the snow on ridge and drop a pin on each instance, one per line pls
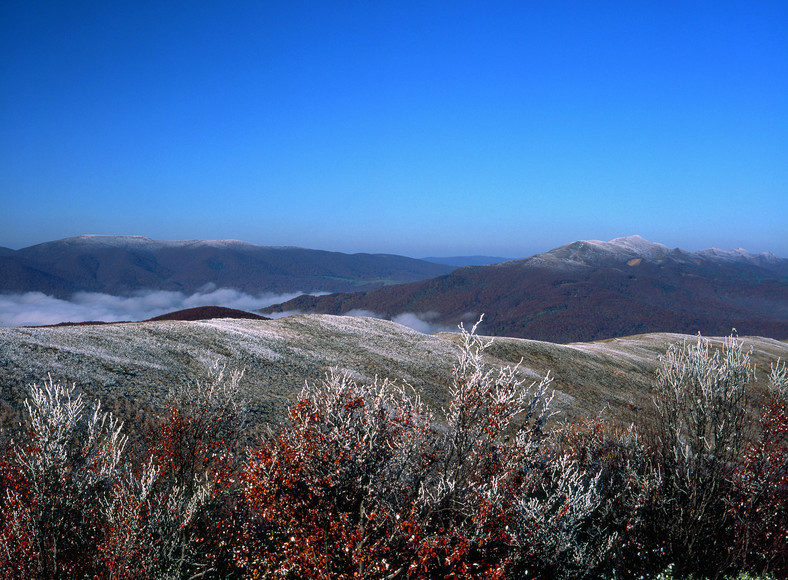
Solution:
(652, 249)
(123, 241)
(630, 245)
(737, 255)
(136, 242)
(638, 243)
(637, 246)
(113, 241)
(589, 252)
(217, 243)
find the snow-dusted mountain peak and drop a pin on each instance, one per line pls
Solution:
(594, 252)
(632, 250)
(630, 245)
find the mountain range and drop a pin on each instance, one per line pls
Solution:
(122, 265)
(586, 290)
(589, 290)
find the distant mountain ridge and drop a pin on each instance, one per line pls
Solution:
(462, 261)
(599, 253)
(121, 265)
(590, 290)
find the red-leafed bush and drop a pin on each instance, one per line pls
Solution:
(760, 503)
(365, 481)
(72, 506)
(53, 484)
(180, 509)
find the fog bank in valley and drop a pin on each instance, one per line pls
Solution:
(36, 308)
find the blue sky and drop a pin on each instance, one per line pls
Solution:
(417, 128)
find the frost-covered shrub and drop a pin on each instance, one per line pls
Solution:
(700, 400)
(331, 490)
(553, 527)
(366, 480)
(53, 482)
(73, 506)
(492, 432)
(608, 542)
(192, 465)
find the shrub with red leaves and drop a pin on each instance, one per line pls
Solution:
(760, 503)
(72, 507)
(53, 484)
(365, 482)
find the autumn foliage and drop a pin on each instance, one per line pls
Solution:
(760, 501)
(363, 480)
(366, 481)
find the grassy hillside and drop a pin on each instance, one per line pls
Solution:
(132, 366)
(488, 488)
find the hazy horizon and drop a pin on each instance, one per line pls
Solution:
(418, 257)
(411, 128)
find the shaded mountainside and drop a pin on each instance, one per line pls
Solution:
(131, 367)
(120, 265)
(590, 291)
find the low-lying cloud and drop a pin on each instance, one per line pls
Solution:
(424, 322)
(36, 308)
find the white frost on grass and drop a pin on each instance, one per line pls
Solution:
(361, 313)
(283, 314)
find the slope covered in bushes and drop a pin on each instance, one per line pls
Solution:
(365, 480)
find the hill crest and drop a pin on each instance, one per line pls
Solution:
(131, 367)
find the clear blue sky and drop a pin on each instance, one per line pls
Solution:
(418, 128)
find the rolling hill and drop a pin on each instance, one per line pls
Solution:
(131, 366)
(590, 290)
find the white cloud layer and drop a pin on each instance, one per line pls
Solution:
(36, 308)
(423, 322)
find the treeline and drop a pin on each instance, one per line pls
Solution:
(365, 481)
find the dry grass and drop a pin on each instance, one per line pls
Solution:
(131, 367)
